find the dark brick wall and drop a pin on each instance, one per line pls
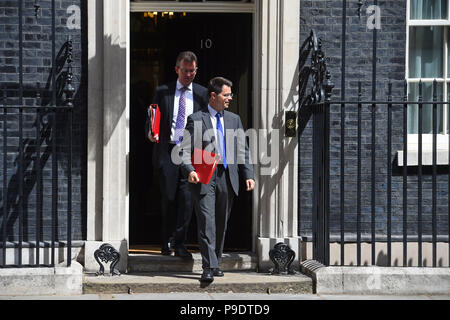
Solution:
(37, 68)
(325, 17)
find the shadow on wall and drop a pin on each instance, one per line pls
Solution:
(42, 129)
(53, 127)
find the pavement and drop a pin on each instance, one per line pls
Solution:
(213, 296)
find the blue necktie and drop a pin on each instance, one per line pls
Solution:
(221, 140)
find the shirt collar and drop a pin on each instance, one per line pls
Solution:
(213, 112)
(179, 86)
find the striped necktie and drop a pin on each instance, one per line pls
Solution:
(179, 126)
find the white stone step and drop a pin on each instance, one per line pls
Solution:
(242, 261)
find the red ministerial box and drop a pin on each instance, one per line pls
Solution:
(155, 118)
(204, 163)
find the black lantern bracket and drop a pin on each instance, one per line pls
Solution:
(37, 8)
(282, 257)
(107, 253)
(358, 11)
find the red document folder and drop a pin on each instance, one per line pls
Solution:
(204, 163)
(155, 118)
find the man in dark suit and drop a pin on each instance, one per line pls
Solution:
(221, 132)
(176, 102)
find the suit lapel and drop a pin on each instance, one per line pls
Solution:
(196, 97)
(207, 120)
(170, 102)
(227, 121)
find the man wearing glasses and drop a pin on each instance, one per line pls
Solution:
(176, 101)
(213, 201)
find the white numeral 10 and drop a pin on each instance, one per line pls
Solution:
(206, 44)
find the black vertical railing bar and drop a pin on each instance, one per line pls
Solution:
(328, 86)
(419, 181)
(21, 155)
(327, 184)
(69, 193)
(5, 177)
(374, 88)
(342, 172)
(389, 174)
(433, 208)
(38, 167)
(53, 127)
(54, 53)
(38, 211)
(69, 95)
(39, 190)
(315, 191)
(20, 209)
(372, 204)
(448, 178)
(320, 187)
(299, 192)
(358, 187)
(405, 175)
(317, 164)
(321, 181)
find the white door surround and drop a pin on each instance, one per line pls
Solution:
(275, 80)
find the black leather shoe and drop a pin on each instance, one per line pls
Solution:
(207, 276)
(168, 247)
(166, 251)
(182, 252)
(217, 272)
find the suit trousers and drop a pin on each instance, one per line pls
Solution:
(212, 212)
(176, 214)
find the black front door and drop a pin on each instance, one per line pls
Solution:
(223, 45)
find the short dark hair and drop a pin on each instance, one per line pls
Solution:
(216, 84)
(187, 56)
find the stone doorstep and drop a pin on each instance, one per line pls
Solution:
(158, 282)
(59, 280)
(242, 261)
(154, 273)
(374, 280)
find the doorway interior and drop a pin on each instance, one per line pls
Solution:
(223, 45)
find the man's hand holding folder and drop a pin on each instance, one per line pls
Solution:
(155, 118)
(204, 163)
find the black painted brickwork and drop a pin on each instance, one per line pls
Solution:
(325, 17)
(37, 66)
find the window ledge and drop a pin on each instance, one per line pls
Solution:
(427, 157)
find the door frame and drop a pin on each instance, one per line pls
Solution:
(215, 7)
(198, 7)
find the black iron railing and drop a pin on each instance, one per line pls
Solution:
(35, 154)
(390, 107)
(23, 166)
(329, 212)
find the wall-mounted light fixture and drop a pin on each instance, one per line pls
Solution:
(291, 124)
(37, 7)
(360, 4)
